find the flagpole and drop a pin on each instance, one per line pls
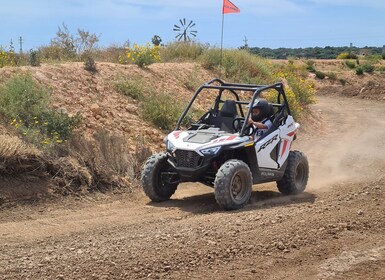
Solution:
(220, 63)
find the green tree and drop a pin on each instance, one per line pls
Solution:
(156, 40)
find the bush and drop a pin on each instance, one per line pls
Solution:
(162, 109)
(34, 58)
(310, 66)
(347, 55)
(332, 76)
(89, 63)
(192, 81)
(300, 91)
(343, 81)
(350, 64)
(359, 71)
(320, 75)
(383, 56)
(7, 58)
(368, 68)
(25, 107)
(141, 55)
(130, 88)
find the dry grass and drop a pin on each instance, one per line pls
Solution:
(11, 147)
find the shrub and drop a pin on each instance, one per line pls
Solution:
(310, 66)
(320, 75)
(359, 71)
(347, 55)
(343, 81)
(66, 46)
(141, 55)
(332, 76)
(7, 58)
(368, 68)
(300, 91)
(383, 56)
(350, 64)
(25, 107)
(34, 58)
(131, 88)
(161, 109)
(89, 63)
(192, 81)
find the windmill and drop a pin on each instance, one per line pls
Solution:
(184, 31)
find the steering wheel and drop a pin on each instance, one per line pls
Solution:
(238, 124)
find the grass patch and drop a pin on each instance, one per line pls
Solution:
(162, 109)
(132, 88)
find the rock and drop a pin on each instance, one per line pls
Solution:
(280, 245)
(360, 212)
(95, 109)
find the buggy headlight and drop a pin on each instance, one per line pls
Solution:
(170, 146)
(210, 151)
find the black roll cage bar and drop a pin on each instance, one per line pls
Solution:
(232, 87)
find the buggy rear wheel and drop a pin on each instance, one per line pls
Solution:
(232, 186)
(296, 174)
(159, 179)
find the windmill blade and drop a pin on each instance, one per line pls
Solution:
(184, 21)
(189, 25)
(176, 26)
(192, 25)
(181, 22)
(188, 38)
(180, 36)
(193, 34)
(176, 29)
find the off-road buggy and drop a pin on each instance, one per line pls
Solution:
(219, 149)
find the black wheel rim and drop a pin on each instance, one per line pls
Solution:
(238, 188)
(300, 175)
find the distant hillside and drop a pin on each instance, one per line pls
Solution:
(314, 53)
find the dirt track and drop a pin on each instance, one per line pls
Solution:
(335, 230)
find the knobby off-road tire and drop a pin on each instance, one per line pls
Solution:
(232, 185)
(296, 174)
(154, 184)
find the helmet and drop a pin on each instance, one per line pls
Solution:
(263, 107)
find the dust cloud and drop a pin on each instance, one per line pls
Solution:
(349, 145)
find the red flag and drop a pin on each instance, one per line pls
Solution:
(229, 7)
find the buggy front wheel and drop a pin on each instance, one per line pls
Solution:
(232, 185)
(159, 179)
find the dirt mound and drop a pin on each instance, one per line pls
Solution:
(345, 82)
(95, 98)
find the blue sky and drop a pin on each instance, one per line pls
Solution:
(274, 23)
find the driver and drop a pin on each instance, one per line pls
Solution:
(259, 117)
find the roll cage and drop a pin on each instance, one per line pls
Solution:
(217, 84)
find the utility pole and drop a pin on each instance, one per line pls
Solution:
(246, 45)
(21, 45)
